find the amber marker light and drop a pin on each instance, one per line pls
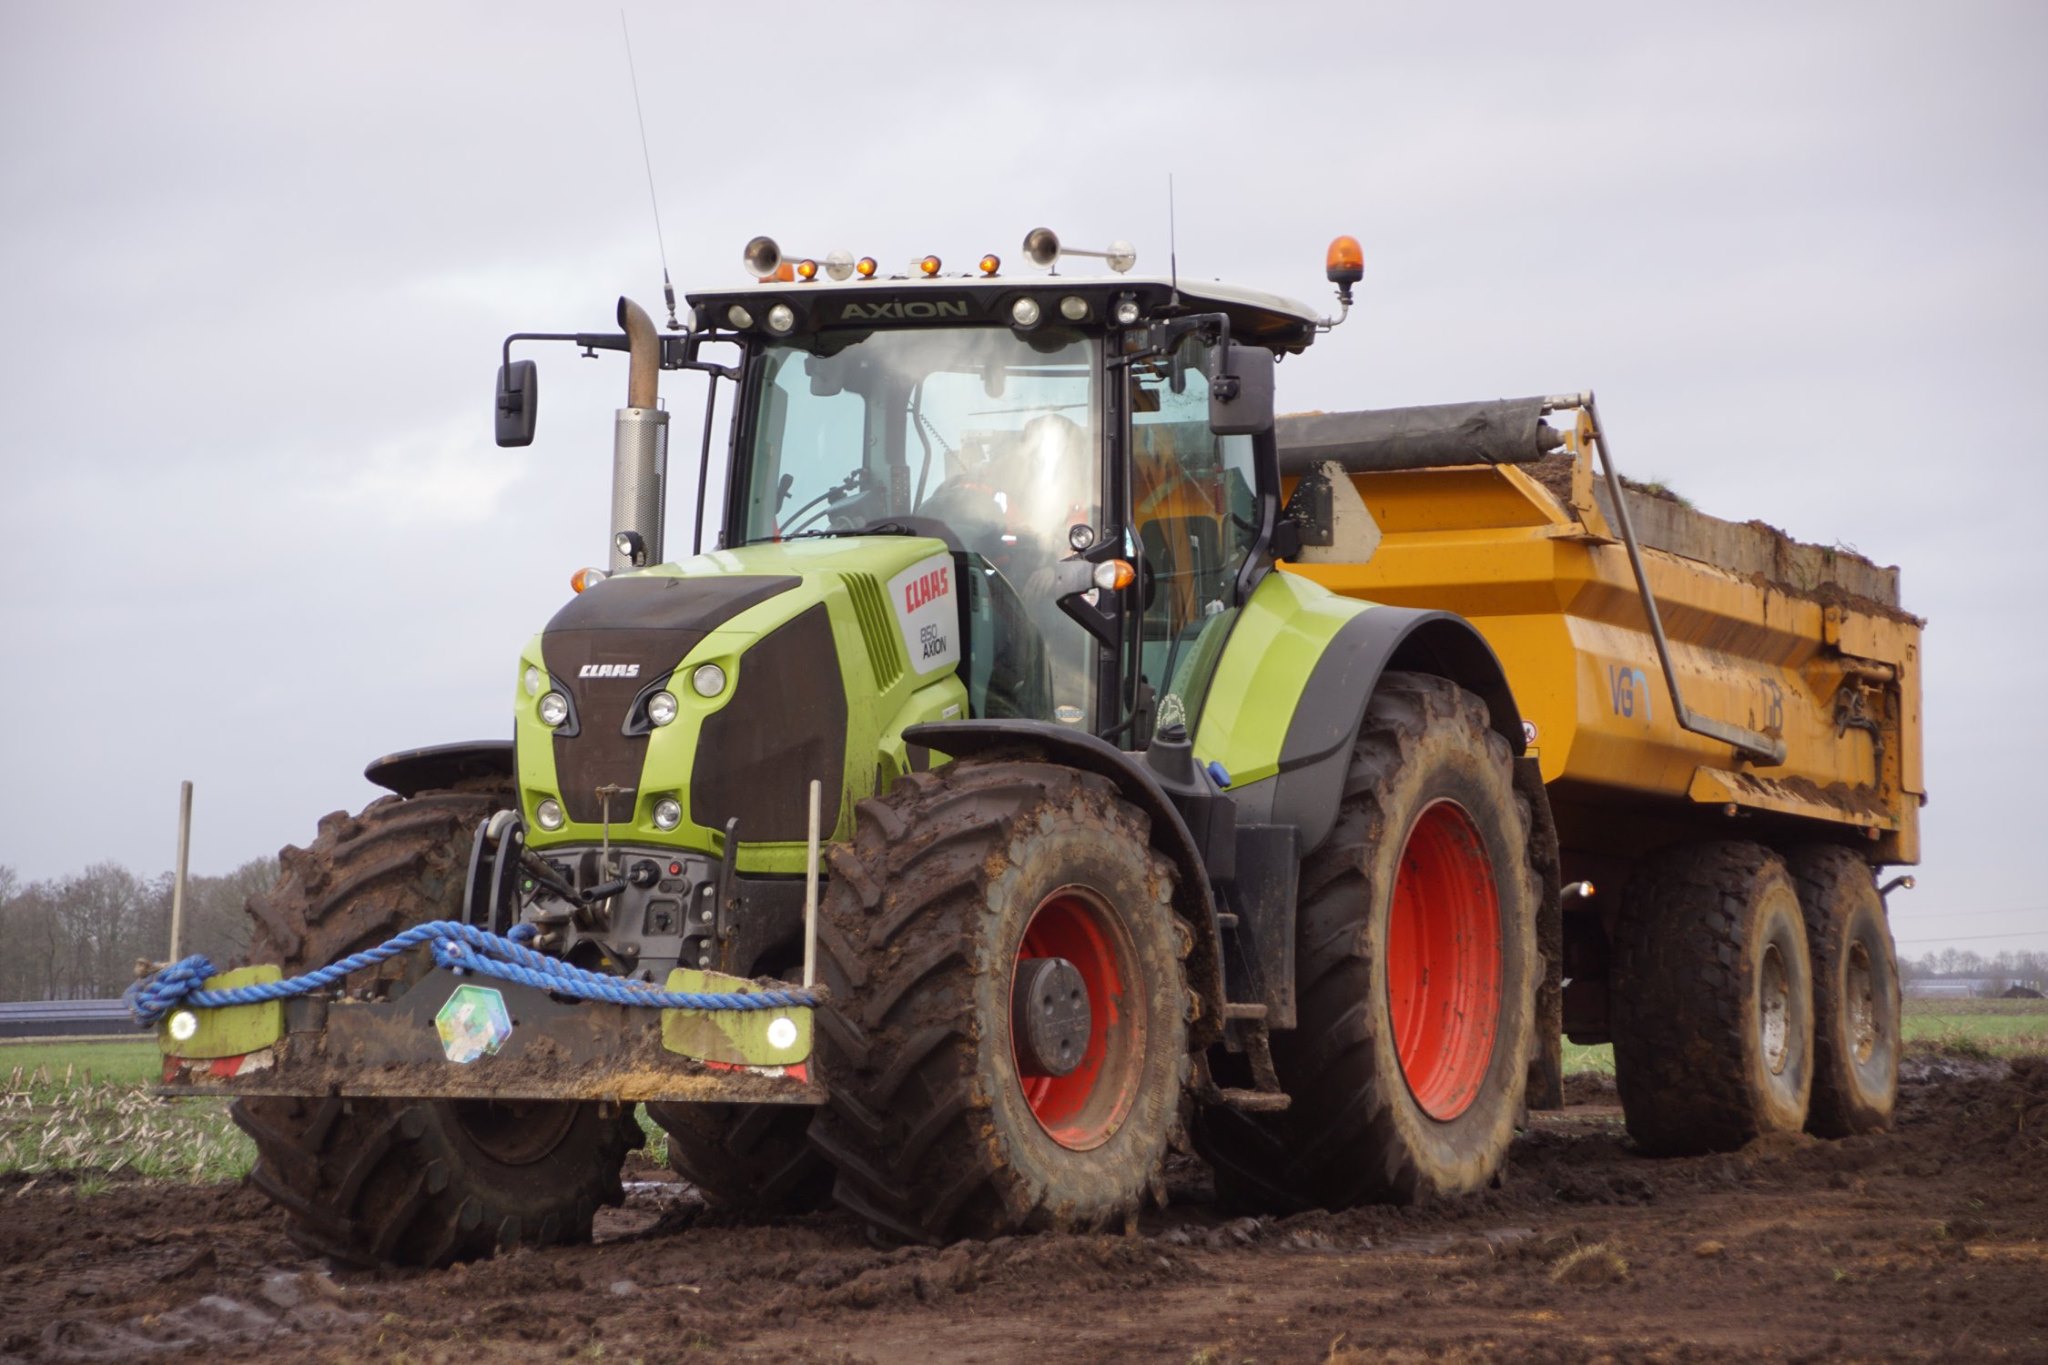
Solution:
(865, 267)
(929, 265)
(1345, 262)
(1344, 266)
(807, 270)
(584, 578)
(1113, 575)
(990, 264)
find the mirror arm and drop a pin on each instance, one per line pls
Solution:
(589, 341)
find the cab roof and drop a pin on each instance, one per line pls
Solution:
(1270, 320)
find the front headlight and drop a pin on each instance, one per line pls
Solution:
(548, 814)
(668, 813)
(554, 709)
(661, 708)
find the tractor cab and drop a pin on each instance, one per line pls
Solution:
(1096, 453)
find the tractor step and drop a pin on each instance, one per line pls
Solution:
(1266, 1097)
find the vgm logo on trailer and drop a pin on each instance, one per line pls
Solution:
(927, 613)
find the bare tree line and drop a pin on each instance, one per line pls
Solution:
(79, 937)
(1995, 973)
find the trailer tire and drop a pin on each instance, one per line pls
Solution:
(412, 1182)
(1856, 1009)
(949, 884)
(1402, 1092)
(1713, 1000)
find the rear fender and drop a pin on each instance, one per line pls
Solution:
(1317, 749)
(1194, 900)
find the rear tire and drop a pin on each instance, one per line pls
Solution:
(413, 1182)
(934, 1126)
(1855, 992)
(1713, 1000)
(1416, 954)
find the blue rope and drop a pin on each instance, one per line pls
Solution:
(459, 948)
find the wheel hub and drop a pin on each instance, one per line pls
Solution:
(1774, 1000)
(513, 1132)
(1072, 944)
(1049, 1016)
(1862, 1003)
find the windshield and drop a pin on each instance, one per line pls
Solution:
(986, 436)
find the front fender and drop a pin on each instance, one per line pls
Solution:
(412, 771)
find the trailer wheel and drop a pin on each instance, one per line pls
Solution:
(1855, 992)
(415, 1182)
(1417, 963)
(1713, 1000)
(1006, 1035)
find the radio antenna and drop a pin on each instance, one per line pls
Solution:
(668, 291)
(1172, 243)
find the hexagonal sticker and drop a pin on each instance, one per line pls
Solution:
(473, 1022)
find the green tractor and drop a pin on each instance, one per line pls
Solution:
(991, 736)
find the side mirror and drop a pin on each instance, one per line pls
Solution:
(518, 401)
(1241, 390)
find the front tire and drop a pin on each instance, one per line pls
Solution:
(1417, 960)
(752, 1158)
(1713, 1000)
(941, 1122)
(412, 1182)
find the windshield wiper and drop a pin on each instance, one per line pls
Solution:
(879, 528)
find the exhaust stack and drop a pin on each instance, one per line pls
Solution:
(639, 449)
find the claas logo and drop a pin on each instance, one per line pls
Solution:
(925, 587)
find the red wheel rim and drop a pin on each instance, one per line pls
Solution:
(1083, 1108)
(1443, 961)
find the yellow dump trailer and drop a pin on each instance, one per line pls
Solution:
(1711, 705)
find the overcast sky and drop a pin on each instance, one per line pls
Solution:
(255, 263)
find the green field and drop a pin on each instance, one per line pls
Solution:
(84, 1108)
(1986, 1028)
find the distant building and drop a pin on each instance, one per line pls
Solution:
(1970, 988)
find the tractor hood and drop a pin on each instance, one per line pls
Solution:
(695, 694)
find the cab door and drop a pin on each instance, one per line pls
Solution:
(1197, 517)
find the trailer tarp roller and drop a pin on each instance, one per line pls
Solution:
(1504, 431)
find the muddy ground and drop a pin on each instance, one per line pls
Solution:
(1931, 1240)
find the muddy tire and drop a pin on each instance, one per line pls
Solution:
(751, 1157)
(412, 1182)
(1855, 992)
(1418, 968)
(936, 1128)
(1713, 1000)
